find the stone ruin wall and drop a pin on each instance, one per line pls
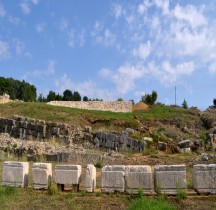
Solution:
(31, 129)
(113, 106)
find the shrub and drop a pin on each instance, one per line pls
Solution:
(140, 192)
(181, 194)
(51, 190)
(99, 164)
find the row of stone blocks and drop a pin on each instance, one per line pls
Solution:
(122, 142)
(116, 178)
(16, 174)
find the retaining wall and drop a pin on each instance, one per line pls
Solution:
(113, 106)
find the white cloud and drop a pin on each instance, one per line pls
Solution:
(117, 11)
(40, 27)
(35, 2)
(86, 88)
(143, 7)
(124, 77)
(14, 20)
(51, 68)
(168, 74)
(20, 48)
(143, 51)
(2, 11)
(212, 68)
(63, 24)
(4, 50)
(81, 38)
(190, 14)
(25, 8)
(71, 38)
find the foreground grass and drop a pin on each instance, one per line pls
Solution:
(151, 204)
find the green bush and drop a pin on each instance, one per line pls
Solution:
(99, 164)
(150, 204)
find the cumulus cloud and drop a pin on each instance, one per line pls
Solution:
(143, 51)
(35, 2)
(190, 14)
(63, 25)
(2, 11)
(40, 27)
(50, 70)
(25, 8)
(117, 11)
(4, 50)
(102, 35)
(124, 77)
(85, 88)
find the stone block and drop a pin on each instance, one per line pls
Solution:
(42, 174)
(55, 131)
(90, 178)
(203, 177)
(169, 178)
(15, 174)
(184, 144)
(138, 176)
(68, 174)
(113, 178)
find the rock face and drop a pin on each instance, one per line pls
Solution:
(138, 177)
(169, 178)
(113, 106)
(15, 174)
(204, 177)
(90, 178)
(119, 143)
(113, 178)
(42, 174)
(68, 175)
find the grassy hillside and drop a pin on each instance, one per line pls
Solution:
(96, 118)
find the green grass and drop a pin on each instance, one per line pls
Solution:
(151, 204)
(103, 119)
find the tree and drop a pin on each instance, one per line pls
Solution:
(184, 104)
(120, 99)
(85, 98)
(68, 95)
(150, 99)
(51, 96)
(77, 96)
(58, 97)
(214, 102)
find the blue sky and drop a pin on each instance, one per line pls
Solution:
(112, 49)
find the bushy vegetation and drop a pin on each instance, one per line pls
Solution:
(150, 99)
(17, 89)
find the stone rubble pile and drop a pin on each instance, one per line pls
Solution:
(168, 179)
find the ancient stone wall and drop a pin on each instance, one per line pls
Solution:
(32, 129)
(113, 106)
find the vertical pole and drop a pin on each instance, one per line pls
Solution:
(175, 95)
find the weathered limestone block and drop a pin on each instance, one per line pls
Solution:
(138, 176)
(203, 177)
(68, 174)
(90, 178)
(113, 178)
(170, 178)
(42, 174)
(15, 173)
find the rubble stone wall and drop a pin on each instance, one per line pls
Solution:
(113, 106)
